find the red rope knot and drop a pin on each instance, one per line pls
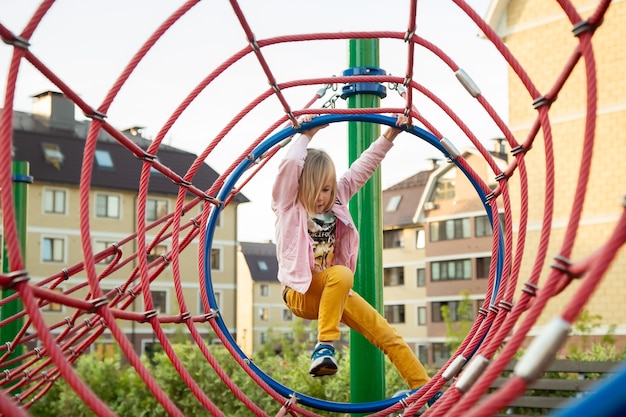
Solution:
(409, 35)
(585, 26)
(45, 375)
(543, 101)
(103, 323)
(38, 352)
(148, 315)
(494, 309)
(9, 347)
(66, 274)
(96, 115)
(502, 176)
(73, 351)
(166, 260)
(183, 183)
(11, 279)
(491, 196)
(254, 45)
(97, 303)
(519, 149)
(563, 264)
(184, 316)
(483, 311)
(195, 223)
(7, 374)
(17, 41)
(530, 288)
(26, 374)
(119, 290)
(132, 293)
(88, 323)
(505, 305)
(212, 200)
(291, 401)
(211, 315)
(69, 322)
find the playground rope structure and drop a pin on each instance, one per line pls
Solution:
(482, 355)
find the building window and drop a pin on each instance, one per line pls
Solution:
(158, 250)
(54, 201)
(265, 290)
(393, 203)
(287, 315)
(262, 338)
(159, 299)
(422, 353)
(421, 277)
(394, 276)
(264, 314)
(101, 246)
(108, 205)
(262, 265)
(104, 350)
(420, 239)
(52, 153)
(53, 249)
(451, 270)
(54, 307)
(421, 316)
(453, 311)
(482, 225)
(155, 209)
(393, 239)
(394, 313)
(450, 229)
(103, 159)
(441, 352)
(482, 267)
(216, 259)
(445, 187)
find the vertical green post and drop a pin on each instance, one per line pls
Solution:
(20, 196)
(366, 361)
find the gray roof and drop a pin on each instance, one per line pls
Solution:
(410, 192)
(261, 260)
(123, 174)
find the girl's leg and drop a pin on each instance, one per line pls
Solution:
(359, 315)
(324, 301)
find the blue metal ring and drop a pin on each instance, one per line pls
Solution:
(226, 189)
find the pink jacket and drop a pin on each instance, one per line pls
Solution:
(293, 244)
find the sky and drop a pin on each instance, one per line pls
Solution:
(88, 43)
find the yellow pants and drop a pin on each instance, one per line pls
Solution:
(331, 300)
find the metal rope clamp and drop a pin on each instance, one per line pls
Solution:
(352, 89)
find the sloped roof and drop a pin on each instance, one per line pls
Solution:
(410, 193)
(261, 260)
(124, 174)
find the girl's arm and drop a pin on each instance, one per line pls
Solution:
(363, 168)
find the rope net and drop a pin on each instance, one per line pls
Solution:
(512, 304)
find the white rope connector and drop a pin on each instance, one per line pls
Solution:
(452, 150)
(467, 82)
(454, 368)
(542, 350)
(469, 377)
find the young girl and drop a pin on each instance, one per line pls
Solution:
(317, 245)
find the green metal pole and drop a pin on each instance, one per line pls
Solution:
(367, 363)
(20, 196)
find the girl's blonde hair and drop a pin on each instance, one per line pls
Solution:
(318, 171)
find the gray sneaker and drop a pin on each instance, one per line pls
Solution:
(323, 360)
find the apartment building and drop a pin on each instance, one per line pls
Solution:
(52, 142)
(541, 37)
(437, 241)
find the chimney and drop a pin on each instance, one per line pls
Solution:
(499, 148)
(434, 162)
(54, 110)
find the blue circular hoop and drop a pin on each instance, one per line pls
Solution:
(226, 189)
